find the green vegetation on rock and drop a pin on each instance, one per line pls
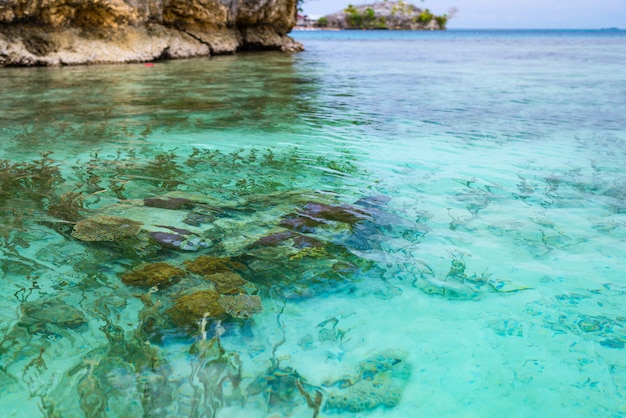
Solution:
(385, 15)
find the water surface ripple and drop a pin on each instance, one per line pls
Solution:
(388, 224)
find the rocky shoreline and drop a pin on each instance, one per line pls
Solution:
(65, 32)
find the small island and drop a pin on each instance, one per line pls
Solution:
(389, 15)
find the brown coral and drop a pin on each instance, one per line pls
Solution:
(241, 305)
(156, 274)
(227, 283)
(105, 228)
(210, 265)
(188, 310)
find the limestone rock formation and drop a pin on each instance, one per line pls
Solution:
(65, 32)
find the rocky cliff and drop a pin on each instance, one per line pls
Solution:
(65, 32)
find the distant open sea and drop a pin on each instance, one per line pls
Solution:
(389, 224)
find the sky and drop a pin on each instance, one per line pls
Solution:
(507, 14)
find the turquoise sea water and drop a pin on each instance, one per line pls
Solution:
(390, 224)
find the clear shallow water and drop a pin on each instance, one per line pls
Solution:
(434, 224)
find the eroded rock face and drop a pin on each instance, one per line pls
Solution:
(63, 32)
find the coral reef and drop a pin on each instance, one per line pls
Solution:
(206, 265)
(189, 310)
(131, 209)
(379, 382)
(155, 274)
(228, 283)
(105, 228)
(241, 305)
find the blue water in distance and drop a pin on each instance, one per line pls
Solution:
(387, 224)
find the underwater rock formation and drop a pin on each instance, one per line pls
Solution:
(315, 214)
(41, 321)
(62, 32)
(288, 238)
(173, 203)
(47, 313)
(284, 389)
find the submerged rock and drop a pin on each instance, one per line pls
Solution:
(180, 241)
(342, 213)
(313, 215)
(284, 389)
(373, 201)
(173, 203)
(300, 223)
(275, 239)
(46, 312)
(197, 219)
(288, 238)
(156, 274)
(305, 241)
(41, 323)
(105, 228)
